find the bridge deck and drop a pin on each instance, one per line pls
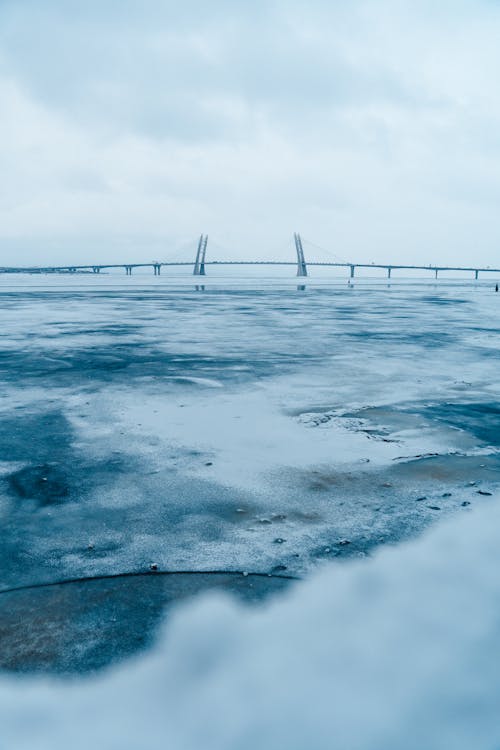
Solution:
(325, 264)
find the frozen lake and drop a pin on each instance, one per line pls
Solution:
(247, 427)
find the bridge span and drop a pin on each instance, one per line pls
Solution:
(200, 263)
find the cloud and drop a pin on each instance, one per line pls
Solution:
(372, 127)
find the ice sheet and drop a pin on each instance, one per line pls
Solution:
(236, 428)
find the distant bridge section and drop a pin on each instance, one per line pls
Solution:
(200, 263)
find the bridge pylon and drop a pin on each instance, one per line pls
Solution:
(301, 262)
(203, 253)
(199, 264)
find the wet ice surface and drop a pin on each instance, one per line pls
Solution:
(84, 625)
(237, 429)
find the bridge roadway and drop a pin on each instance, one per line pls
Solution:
(96, 268)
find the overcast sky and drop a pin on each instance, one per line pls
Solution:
(128, 127)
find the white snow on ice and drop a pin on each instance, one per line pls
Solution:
(397, 651)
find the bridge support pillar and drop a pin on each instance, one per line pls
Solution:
(435, 273)
(157, 269)
(352, 272)
(476, 274)
(301, 261)
(199, 264)
(128, 270)
(389, 273)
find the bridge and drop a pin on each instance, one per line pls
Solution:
(200, 263)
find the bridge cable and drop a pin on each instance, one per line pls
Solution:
(337, 258)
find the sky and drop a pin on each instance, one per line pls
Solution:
(128, 127)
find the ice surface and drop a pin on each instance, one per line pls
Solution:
(395, 651)
(81, 626)
(236, 429)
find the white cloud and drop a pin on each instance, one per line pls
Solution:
(372, 127)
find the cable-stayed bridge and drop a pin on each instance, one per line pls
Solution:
(200, 263)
